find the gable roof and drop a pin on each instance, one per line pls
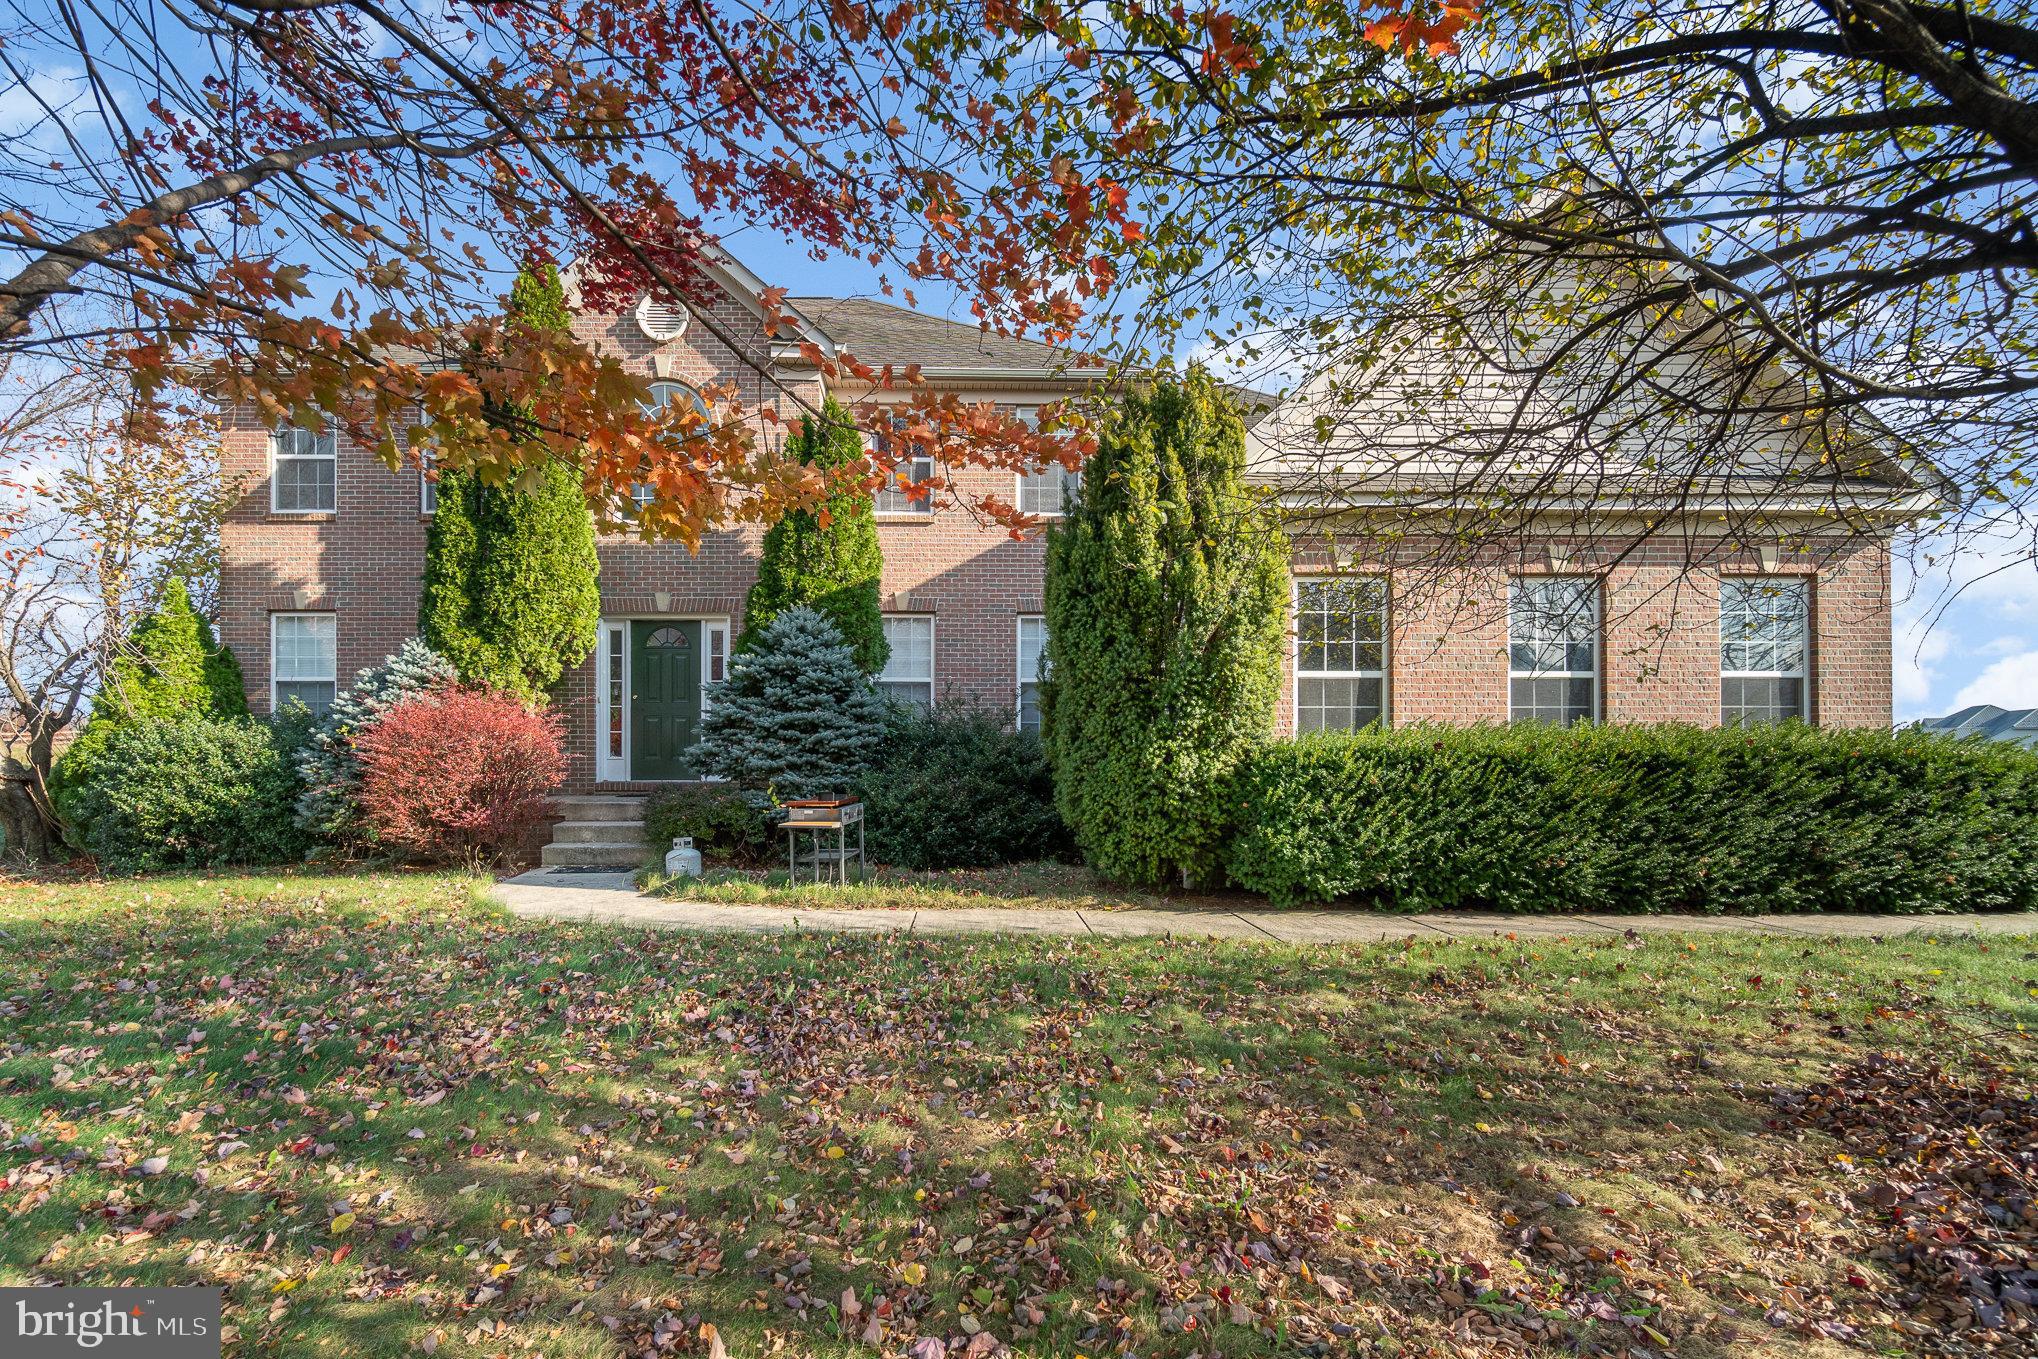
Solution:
(2018, 725)
(883, 332)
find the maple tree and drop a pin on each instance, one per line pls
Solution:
(96, 523)
(1582, 253)
(310, 206)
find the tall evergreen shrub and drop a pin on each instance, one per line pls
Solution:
(1167, 595)
(172, 669)
(828, 557)
(797, 716)
(509, 593)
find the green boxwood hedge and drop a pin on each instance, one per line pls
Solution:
(1642, 819)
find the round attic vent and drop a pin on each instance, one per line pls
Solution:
(661, 321)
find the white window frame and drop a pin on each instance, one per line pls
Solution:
(325, 445)
(1802, 587)
(276, 681)
(1019, 665)
(1054, 474)
(884, 680)
(1295, 653)
(1592, 586)
(663, 393)
(428, 485)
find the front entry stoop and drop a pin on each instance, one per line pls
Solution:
(599, 831)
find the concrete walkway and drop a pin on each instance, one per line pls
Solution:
(611, 898)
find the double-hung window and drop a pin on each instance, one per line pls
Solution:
(1553, 650)
(895, 498)
(304, 470)
(1047, 491)
(908, 676)
(1765, 642)
(1340, 652)
(1032, 669)
(303, 660)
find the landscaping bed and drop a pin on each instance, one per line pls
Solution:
(390, 1120)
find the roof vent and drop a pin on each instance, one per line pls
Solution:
(661, 321)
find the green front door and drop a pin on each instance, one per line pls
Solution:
(665, 699)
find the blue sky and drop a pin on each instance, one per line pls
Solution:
(1981, 648)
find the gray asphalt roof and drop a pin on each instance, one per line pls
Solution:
(879, 332)
(1986, 719)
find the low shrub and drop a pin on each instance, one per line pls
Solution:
(190, 793)
(723, 822)
(960, 790)
(1625, 818)
(460, 775)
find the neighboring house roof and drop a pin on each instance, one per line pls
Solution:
(882, 333)
(2019, 725)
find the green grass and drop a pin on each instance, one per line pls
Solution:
(373, 1096)
(1042, 886)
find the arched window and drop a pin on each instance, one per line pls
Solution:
(667, 637)
(667, 394)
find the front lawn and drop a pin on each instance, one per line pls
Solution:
(391, 1120)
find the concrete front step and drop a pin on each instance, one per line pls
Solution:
(601, 807)
(595, 832)
(596, 854)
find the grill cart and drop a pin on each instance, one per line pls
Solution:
(815, 818)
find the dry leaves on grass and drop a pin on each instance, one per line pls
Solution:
(1941, 1169)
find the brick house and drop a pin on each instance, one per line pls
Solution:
(321, 564)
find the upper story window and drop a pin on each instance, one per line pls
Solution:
(897, 498)
(303, 660)
(1340, 652)
(1032, 669)
(1047, 491)
(304, 471)
(1553, 649)
(908, 676)
(665, 396)
(1765, 645)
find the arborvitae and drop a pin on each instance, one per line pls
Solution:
(329, 801)
(797, 716)
(173, 669)
(1167, 601)
(827, 557)
(509, 593)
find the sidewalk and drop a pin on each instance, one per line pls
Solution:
(610, 898)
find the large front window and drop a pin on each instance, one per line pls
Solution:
(303, 661)
(1553, 650)
(304, 476)
(908, 676)
(1340, 653)
(1764, 645)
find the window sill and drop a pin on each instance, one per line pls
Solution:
(904, 516)
(302, 516)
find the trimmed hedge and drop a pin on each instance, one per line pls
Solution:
(960, 789)
(193, 793)
(1641, 819)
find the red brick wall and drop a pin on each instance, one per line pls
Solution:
(1659, 646)
(1447, 653)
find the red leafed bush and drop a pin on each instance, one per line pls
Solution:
(460, 774)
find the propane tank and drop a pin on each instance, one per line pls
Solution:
(683, 860)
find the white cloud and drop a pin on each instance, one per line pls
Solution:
(2011, 682)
